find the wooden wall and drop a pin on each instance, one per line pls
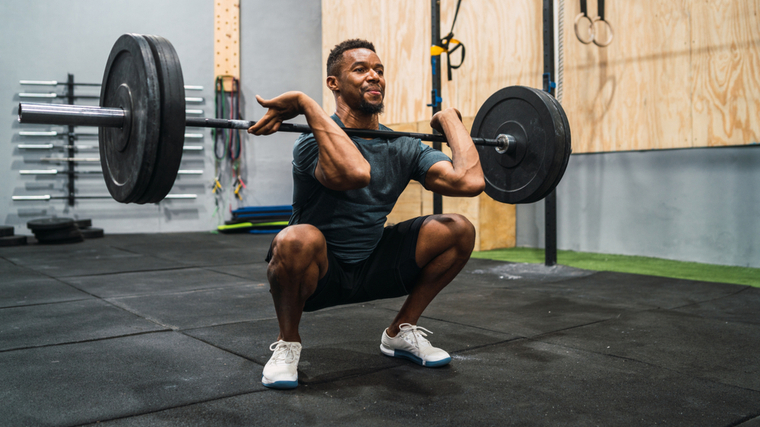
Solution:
(400, 30)
(679, 73)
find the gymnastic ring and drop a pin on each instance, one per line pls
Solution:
(590, 28)
(609, 27)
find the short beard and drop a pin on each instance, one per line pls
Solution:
(371, 109)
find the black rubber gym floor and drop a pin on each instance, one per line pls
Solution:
(174, 329)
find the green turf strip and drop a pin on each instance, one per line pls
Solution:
(632, 264)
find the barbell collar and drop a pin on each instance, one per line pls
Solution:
(74, 115)
(507, 144)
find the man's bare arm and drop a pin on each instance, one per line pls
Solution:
(463, 177)
(341, 165)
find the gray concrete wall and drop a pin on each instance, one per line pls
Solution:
(44, 40)
(700, 204)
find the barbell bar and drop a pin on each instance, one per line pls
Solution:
(83, 115)
(522, 134)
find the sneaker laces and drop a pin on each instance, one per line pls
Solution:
(409, 330)
(284, 352)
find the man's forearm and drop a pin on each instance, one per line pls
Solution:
(341, 165)
(464, 156)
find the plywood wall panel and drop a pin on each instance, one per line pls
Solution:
(397, 29)
(503, 48)
(726, 71)
(627, 96)
(497, 221)
(679, 73)
(502, 39)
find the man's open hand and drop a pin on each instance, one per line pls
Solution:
(280, 108)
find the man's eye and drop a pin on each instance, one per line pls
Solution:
(359, 70)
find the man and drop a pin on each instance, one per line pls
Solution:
(336, 249)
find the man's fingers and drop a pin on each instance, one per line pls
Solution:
(262, 101)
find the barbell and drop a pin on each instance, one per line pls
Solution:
(522, 134)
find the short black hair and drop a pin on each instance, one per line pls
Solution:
(336, 55)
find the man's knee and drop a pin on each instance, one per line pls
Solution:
(461, 230)
(298, 245)
(444, 232)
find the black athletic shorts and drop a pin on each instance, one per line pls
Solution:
(390, 271)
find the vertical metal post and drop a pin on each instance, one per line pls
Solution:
(550, 202)
(435, 62)
(71, 139)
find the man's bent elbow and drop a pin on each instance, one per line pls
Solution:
(473, 187)
(350, 180)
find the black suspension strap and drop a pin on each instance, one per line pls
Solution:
(446, 42)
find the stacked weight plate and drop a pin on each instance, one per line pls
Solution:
(7, 237)
(55, 230)
(63, 230)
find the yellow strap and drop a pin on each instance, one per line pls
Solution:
(436, 50)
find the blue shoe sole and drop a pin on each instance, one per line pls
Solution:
(401, 354)
(281, 385)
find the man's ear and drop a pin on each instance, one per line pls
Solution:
(332, 83)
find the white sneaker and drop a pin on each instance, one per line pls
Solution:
(282, 369)
(411, 344)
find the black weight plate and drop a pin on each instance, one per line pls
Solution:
(49, 224)
(6, 230)
(75, 239)
(68, 235)
(92, 232)
(83, 223)
(568, 144)
(128, 154)
(172, 136)
(12, 240)
(526, 114)
(560, 119)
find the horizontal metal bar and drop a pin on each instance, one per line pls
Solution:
(181, 196)
(38, 82)
(46, 197)
(56, 83)
(38, 171)
(29, 198)
(299, 128)
(86, 147)
(114, 117)
(38, 133)
(71, 159)
(73, 115)
(54, 95)
(193, 135)
(35, 146)
(190, 172)
(56, 171)
(37, 95)
(55, 133)
(193, 99)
